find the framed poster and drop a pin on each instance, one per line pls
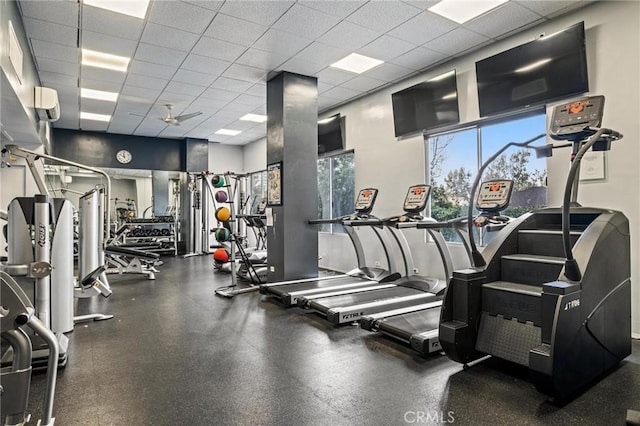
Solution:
(592, 167)
(274, 184)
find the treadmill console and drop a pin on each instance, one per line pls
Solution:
(576, 120)
(262, 206)
(494, 195)
(364, 201)
(416, 199)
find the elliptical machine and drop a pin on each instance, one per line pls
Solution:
(552, 291)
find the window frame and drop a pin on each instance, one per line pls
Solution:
(334, 230)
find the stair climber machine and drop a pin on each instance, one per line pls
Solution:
(417, 325)
(362, 277)
(552, 290)
(340, 307)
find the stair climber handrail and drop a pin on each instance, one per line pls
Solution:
(571, 268)
(476, 257)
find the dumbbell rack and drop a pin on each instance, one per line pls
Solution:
(168, 239)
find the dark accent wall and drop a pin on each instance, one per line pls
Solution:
(98, 149)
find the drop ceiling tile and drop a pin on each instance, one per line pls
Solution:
(50, 32)
(241, 125)
(102, 74)
(262, 109)
(306, 22)
(319, 53)
(212, 104)
(383, 15)
(100, 84)
(389, 72)
(150, 127)
(64, 13)
(96, 106)
(239, 31)
(422, 4)
(219, 94)
(227, 113)
(258, 90)
(250, 100)
(231, 84)
(363, 83)
(334, 76)
(172, 132)
(178, 100)
(386, 48)
(350, 36)
(141, 93)
(300, 67)
(545, 7)
(146, 81)
(118, 126)
(207, 4)
(111, 23)
(418, 58)
(171, 38)
(159, 55)
(261, 59)
(60, 67)
(456, 41)
(278, 41)
(184, 88)
(192, 77)
(181, 15)
(60, 52)
(200, 133)
(151, 70)
(324, 86)
(132, 105)
(204, 64)
(246, 73)
(260, 12)
(51, 79)
(108, 44)
(338, 8)
(423, 27)
(218, 49)
(504, 19)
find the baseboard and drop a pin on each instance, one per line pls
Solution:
(635, 336)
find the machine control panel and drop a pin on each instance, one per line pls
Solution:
(494, 195)
(416, 199)
(365, 200)
(262, 206)
(571, 120)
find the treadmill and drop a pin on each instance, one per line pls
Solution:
(361, 278)
(418, 325)
(342, 307)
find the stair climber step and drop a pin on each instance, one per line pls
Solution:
(545, 242)
(507, 339)
(520, 302)
(530, 268)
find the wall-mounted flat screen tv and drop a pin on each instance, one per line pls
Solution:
(431, 104)
(547, 69)
(330, 134)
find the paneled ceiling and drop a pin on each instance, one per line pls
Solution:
(214, 56)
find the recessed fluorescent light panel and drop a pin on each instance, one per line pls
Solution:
(92, 58)
(357, 63)
(228, 132)
(94, 117)
(135, 8)
(98, 94)
(462, 11)
(254, 117)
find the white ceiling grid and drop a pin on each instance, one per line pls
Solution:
(214, 56)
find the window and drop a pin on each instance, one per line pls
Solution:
(454, 158)
(257, 189)
(336, 188)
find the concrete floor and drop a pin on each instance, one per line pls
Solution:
(176, 354)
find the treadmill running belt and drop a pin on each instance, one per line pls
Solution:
(404, 326)
(323, 304)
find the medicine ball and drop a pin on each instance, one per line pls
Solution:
(222, 234)
(223, 214)
(217, 181)
(221, 197)
(221, 255)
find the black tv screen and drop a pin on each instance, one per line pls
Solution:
(427, 105)
(330, 134)
(547, 69)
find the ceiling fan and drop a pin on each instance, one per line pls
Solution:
(176, 120)
(171, 119)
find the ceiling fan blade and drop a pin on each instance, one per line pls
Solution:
(187, 116)
(137, 115)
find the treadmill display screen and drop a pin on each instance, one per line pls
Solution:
(366, 198)
(416, 199)
(494, 195)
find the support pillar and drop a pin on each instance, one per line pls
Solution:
(292, 144)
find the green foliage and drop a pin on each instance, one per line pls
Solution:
(514, 167)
